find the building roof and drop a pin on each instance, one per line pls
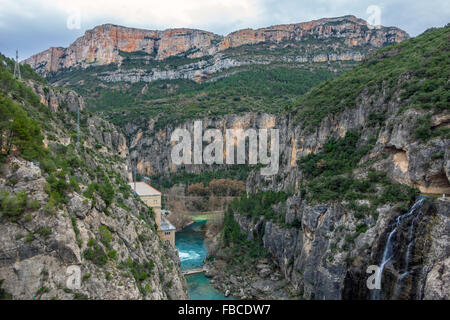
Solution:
(144, 189)
(166, 225)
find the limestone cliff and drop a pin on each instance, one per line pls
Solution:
(151, 149)
(104, 44)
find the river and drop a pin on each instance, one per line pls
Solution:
(190, 243)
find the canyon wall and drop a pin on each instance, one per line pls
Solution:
(111, 241)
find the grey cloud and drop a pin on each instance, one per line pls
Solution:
(46, 26)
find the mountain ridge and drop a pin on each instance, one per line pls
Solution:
(103, 44)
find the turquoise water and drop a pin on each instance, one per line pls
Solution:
(190, 243)
(199, 288)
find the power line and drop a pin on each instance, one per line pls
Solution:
(134, 175)
(78, 127)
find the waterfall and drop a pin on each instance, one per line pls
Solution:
(391, 246)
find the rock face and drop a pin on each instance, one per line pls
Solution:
(103, 44)
(196, 71)
(37, 267)
(113, 141)
(263, 281)
(303, 254)
(407, 162)
(151, 149)
(353, 30)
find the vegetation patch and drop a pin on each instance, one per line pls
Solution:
(417, 67)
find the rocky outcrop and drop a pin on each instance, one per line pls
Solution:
(264, 282)
(58, 99)
(35, 265)
(111, 140)
(205, 70)
(104, 44)
(196, 71)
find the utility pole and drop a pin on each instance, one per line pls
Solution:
(17, 66)
(78, 127)
(134, 177)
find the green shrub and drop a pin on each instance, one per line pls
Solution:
(29, 237)
(105, 190)
(49, 207)
(13, 206)
(86, 276)
(19, 132)
(12, 181)
(105, 236)
(80, 296)
(42, 290)
(44, 232)
(3, 294)
(337, 157)
(139, 271)
(423, 128)
(91, 242)
(96, 255)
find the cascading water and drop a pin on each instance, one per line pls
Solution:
(391, 246)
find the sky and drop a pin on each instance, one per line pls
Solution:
(32, 26)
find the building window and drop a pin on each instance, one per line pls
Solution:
(167, 233)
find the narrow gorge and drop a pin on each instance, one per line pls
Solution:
(362, 185)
